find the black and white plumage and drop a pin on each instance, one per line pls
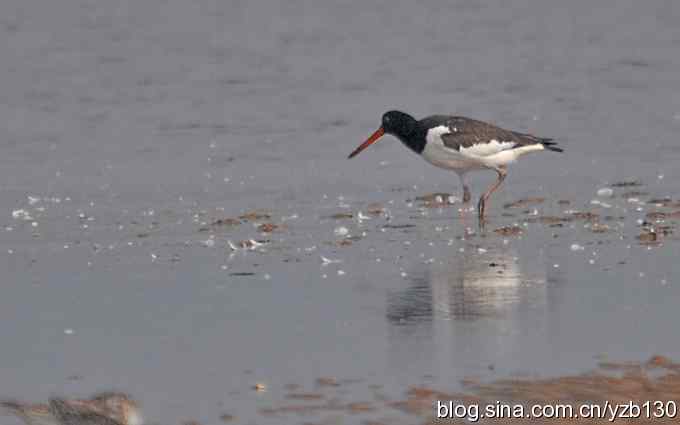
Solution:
(460, 144)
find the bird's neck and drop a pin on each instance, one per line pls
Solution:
(415, 140)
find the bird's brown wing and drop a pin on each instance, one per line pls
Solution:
(466, 133)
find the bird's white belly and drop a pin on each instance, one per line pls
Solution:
(440, 156)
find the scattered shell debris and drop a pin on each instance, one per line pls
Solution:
(326, 261)
(599, 228)
(437, 200)
(247, 244)
(22, 214)
(341, 231)
(361, 216)
(605, 192)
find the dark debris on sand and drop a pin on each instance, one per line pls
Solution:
(341, 216)
(509, 231)
(255, 215)
(267, 227)
(221, 222)
(663, 215)
(586, 216)
(628, 183)
(656, 379)
(227, 418)
(548, 219)
(435, 200)
(524, 203)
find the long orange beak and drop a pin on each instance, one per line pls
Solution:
(374, 138)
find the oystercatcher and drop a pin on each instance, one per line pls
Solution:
(460, 144)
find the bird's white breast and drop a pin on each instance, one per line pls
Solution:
(437, 154)
(485, 154)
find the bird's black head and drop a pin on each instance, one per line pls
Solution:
(396, 123)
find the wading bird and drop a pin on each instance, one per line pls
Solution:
(460, 144)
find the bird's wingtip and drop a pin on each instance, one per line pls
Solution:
(551, 146)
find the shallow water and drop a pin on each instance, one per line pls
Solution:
(130, 127)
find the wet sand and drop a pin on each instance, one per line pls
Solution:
(658, 379)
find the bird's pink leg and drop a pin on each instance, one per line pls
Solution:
(466, 197)
(466, 202)
(502, 172)
(466, 189)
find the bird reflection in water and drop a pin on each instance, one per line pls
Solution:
(470, 306)
(468, 286)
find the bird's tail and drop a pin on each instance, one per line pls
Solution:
(551, 146)
(547, 143)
